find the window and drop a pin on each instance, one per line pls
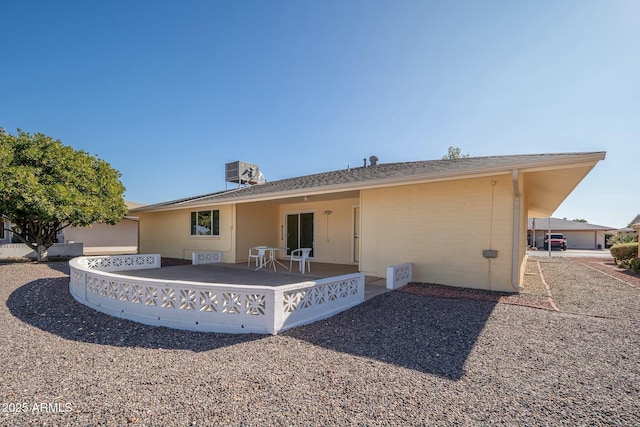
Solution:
(205, 223)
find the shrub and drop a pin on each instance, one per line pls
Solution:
(624, 252)
(634, 265)
(621, 238)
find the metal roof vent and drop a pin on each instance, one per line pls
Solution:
(373, 160)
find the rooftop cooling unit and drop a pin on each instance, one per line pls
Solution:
(243, 173)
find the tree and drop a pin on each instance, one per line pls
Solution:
(46, 186)
(454, 153)
(580, 220)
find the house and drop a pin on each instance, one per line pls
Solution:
(636, 226)
(579, 235)
(105, 239)
(461, 222)
(97, 239)
(5, 235)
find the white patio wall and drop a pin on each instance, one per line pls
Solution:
(210, 307)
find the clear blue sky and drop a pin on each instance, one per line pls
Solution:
(169, 91)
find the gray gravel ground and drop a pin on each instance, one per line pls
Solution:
(398, 359)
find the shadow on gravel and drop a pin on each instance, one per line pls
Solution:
(48, 305)
(427, 334)
(430, 335)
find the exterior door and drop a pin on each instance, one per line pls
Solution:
(356, 234)
(300, 231)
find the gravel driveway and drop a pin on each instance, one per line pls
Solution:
(397, 359)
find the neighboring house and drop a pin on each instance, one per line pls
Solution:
(579, 235)
(105, 239)
(461, 222)
(628, 230)
(636, 226)
(632, 229)
(5, 236)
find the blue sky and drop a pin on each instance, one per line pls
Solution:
(169, 91)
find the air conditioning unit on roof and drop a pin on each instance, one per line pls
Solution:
(243, 173)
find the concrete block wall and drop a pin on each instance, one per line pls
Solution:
(20, 250)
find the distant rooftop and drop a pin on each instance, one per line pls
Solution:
(560, 224)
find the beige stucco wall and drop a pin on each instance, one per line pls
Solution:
(442, 228)
(333, 233)
(257, 224)
(104, 238)
(251, 224)
(168, 233)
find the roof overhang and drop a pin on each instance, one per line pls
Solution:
(547, 188)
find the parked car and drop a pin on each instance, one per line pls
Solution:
(557, 241)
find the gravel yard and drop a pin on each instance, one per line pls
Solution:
(402, 358)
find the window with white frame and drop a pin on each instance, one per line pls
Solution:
(205, 223)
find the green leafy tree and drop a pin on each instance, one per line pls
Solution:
(46, 186)
(454, 153)
(580, 220)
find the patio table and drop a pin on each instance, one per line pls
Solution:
(271, 260)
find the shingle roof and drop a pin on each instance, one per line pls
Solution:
(559, 224)
(635, 220)
(382, 172)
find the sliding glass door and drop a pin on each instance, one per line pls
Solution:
(299, 231)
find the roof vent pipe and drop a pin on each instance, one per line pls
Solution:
(373, 160)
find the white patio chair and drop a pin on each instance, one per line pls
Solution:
(258, 253)
(302, 256)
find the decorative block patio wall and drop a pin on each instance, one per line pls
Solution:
(206, 257)
(207, 307)
(399, 275)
